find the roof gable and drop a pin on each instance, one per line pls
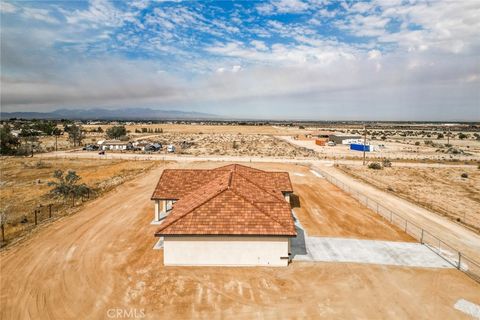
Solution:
(232, 203)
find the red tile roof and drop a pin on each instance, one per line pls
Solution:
(233, 200)
(174, 184)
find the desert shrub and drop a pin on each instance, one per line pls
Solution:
(386, 163)
(462, 136)
(440, 136)
(67, 184)
(417, 143)
(375, 166)
(464, 175)
(116, 132)
(42, 164)
(428, 142)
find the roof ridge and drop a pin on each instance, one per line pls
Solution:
(195, 207)
(238, 165)
(259, 209)
(261, 187)
(155, 190)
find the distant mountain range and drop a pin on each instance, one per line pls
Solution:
(110, 114)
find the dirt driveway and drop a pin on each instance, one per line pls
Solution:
(101, 259)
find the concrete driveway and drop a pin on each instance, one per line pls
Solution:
(326, 249)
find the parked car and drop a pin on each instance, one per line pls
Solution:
(102, 152)
(170, 148)
(91, 147)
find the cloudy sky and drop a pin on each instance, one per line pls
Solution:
(297, 59)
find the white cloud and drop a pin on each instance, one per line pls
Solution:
(374, 54)
(416, 54)
(39, 14)
(100, 13)
(259, 45)
(6, 7)
(282, 6)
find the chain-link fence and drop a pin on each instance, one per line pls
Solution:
(434, 243)
(457, 214)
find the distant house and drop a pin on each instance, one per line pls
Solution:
(313, 135)
(345, 138)
(230, 216)
(115, 145)
(140, 145)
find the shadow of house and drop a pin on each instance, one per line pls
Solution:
(297, 244)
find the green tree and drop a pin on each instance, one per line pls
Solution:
(8, 142)
(47, 127)
(75, 134)
(116, 132)
(67, 184)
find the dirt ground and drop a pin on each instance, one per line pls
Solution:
(227, 144)
(328, 211)
(440, 189)
(199, 128)
(24, 182)
(468, 151)
(101, 259)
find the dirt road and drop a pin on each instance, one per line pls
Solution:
(78, 154)
(101, 259)
(455, 235)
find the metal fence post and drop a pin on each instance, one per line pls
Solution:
(50, 210)
(459, 260)
(421, 238)
(35, 216)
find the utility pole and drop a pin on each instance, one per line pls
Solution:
(448, 136)
(364, 141)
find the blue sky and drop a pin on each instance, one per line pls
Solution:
(285, 59)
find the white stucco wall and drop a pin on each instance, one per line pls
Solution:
(226, 251)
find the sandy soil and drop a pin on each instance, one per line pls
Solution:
(392, 150)
(101, 259)
(222, 144)
(24, 182)
(325, 210)
(198, 128)
(456, 235)
(440, 189)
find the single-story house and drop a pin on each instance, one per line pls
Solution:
(229, 216)
(115, 145)
(345, 138)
